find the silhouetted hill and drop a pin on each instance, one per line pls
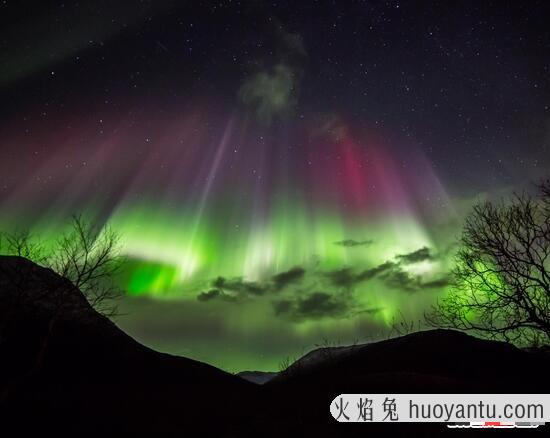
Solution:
(462, 361)
(67, 370)
(435, 361)
(93, 377)
(318, 356)
(259, 377)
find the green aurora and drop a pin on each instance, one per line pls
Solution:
(240, 296)
(243, 269)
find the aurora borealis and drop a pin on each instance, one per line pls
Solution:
(279, 174)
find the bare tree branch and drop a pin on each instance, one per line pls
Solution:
(86, 255)
(502, 273)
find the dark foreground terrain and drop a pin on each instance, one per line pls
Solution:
(65, 370)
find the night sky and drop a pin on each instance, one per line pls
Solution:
(282, 174)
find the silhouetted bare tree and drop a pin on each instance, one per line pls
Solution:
(89, 257)
(502, 273)
(23, 245)
(86, 255)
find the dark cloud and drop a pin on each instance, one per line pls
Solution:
(320, 304)
(367, 274)
(439, 283)
(210, 295)
(397, 278)
(394, 276)
(400, 279)
(346, 278)
(391, 273)
(283, 279)
(342, 277)
(215, 294)
(240, 286)
(416, 256)
(314, 306)
(350, 243)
